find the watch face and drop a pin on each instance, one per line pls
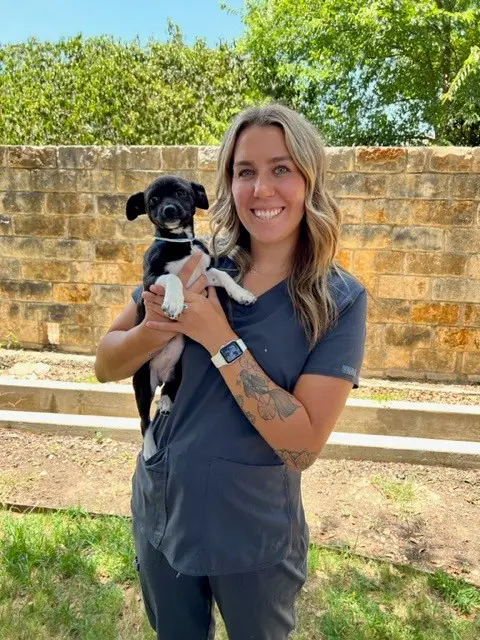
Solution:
(231, 351)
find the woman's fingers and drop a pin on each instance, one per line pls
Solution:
(189, 267)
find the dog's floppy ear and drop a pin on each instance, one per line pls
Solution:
(201, 200)
(135, 206)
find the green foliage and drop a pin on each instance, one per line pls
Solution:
(370, 71)
(102, 91)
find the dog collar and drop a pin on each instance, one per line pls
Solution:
(174, 240)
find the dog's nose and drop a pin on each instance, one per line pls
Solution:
(170, 211)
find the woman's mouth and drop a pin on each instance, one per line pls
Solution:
(267, 214)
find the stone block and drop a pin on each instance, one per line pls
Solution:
(77, 157)
(466, 187)
(360, 237)
(75, 336)
(112, 205)
(448, 264)
(139, 229)
(50, 270)
(22, 202)
(435, 313)
(6, 225)
(179, 157)
(80, 314)
(451, 159)
(95, 181)
(417, 238)
(462, 240)
(439, 360)
(10, 268)
(418, 159)
(457, 339)
(18, 290)
(471, 363)
(106, 295)
(207, 158)
(473, 268)
(397, 358)
(357, 184)
(449, 289)
(472, 291)
(102, 316)
(476, 160)
(472, 315)
(139, 251)
(372, 261)
(345, 259)
(351, 209)
(339, 159)
(442, 212)
(207, 179)
(72, 292)
(408, 335)
(3, 156)
(90, 228)
(380, 159)
(147, 158)
(68, 249)
(32, 157)
(20, 247)
(131, 182)
(53, 180)
(40, 225)
(15, 179)
(429, 185)
(95, 273)
(404, 287)
(70, 203)
(131, 274)
(114, 251)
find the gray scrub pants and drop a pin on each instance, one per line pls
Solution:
(255, 605)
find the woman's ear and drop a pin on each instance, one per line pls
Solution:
(135, 206)
(201, 200)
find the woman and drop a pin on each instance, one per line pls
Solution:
(217, 511)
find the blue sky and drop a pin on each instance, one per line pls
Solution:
(125, 19)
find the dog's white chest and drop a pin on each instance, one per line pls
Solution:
(176, 266)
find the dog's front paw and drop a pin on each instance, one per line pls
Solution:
(172, 308)
(164, 405)
(246, 297)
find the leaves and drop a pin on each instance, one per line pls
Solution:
(103, 91)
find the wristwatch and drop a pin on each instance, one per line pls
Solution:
(229, 353)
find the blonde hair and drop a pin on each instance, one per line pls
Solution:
(315, 252)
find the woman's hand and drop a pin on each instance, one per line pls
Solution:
(153, 299)
(203, 320)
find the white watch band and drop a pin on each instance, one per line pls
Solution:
(218, 359)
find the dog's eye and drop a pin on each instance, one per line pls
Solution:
(153, 201)
(181, 193)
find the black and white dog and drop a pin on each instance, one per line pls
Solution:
(170, 204)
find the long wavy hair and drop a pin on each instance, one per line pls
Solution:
(314, 255)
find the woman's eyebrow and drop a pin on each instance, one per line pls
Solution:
(271, 161)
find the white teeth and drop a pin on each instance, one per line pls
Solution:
(267, 214)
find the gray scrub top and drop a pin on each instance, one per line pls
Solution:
(215, 498)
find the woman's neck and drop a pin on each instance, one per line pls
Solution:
(271, 259)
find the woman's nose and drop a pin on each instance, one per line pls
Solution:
(263, 188)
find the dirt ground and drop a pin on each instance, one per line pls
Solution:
(424, 516)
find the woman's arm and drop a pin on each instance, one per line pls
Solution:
(125, 347)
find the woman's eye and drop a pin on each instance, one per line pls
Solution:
(181, 193)
(244, 173)
(281, 169)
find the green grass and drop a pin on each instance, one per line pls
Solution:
(69, 575)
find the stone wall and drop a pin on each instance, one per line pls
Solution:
(411, 233)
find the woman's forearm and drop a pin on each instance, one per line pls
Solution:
(121, 353)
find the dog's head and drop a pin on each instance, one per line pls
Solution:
(169, 202)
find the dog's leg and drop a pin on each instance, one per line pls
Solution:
(174, 300)
(219, 278)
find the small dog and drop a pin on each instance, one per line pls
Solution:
(170, 204)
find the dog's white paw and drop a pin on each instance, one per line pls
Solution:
(173, 308)
(164, 405)
(245, 297)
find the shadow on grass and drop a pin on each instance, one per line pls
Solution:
(69, 575)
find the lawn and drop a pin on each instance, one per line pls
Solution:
(70, 575)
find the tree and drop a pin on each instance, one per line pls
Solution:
(368, 71)
(102, 91)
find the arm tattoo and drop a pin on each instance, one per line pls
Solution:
(271, 403)
(298, 460)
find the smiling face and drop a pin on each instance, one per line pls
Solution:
(267, 187)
